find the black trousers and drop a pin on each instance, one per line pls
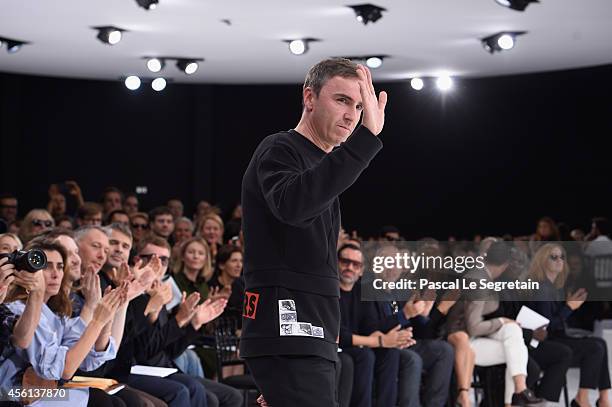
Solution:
(296, 381)
(552, 358)
(344, 379)
(591, 354)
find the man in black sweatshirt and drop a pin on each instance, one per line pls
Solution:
(291, 221)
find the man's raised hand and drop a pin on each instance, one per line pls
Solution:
(373, 107)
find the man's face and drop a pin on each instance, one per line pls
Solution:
(163, 225)
(93, 249)
(120, 218)
(161, 252)
(176, 207)
(91, 220)
(182, 231)
(8, 209)
(112, 201)
(120, 246)
(337, 109)
(350, 264)
(131, 204)
(74, 260)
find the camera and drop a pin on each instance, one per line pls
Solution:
(28, 260)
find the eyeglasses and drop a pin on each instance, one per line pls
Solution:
(555, 257)
(142, 226)
(347, 262)
(40, 222)
(147, 258)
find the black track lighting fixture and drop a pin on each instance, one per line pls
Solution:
(189, 66)
(502, 41)
(12, 45)
(148, 4)
(109, 34)
(367, 13)
(518, 5)
(371, 61)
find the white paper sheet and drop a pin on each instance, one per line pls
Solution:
(152, 370)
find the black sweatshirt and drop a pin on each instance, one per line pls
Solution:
(291, 221)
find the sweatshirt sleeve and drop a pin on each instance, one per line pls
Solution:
(476, 324)
(296, 196)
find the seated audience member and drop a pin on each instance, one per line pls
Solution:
(65, 222)
(234, 224)
(600, 243)
(57, 206)
(227, 279)
(211, 229)
(549, 267)
(118, 216)
(62, 344)
(112, 199)
(192, 269)
(161, 222)
(176, 207)
(390, 233)
(139, 222)
(166, 336)
(546, 231)
(428, 355)
(8, 208)
(183, 230)
(375, 358)
(90, 213)
(497, 339)
(203, 208)
(90, 294)
(130, 204)
(35, 222)
(9, 242)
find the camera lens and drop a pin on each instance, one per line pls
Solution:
(36, 259)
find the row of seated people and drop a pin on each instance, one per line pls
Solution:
(409, 352)
(88, 313)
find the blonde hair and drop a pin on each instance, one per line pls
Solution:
(179, 264)
(215, 218)
(539, 264)
(25, 231)
(15, 238)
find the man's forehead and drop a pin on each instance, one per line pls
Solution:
(96, 235)
(351, 254)
(341, 85)
(117, 235)
(153, 249)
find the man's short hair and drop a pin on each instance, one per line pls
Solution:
(116, 211)
(108, 190)
(160, 210)
(84, 230)
(153, 240)
(141, 215)
(7, 195)
(184, 219)
(88, 209)
(349, 246)
(53, 234)
(323, 71)
(121, 228)
(498, 254)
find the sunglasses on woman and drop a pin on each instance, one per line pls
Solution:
(41, 222)
(555, 257)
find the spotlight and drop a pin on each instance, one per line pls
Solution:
(158, 84)
(519, 5)
(502, 41)
(12, 45)
(444, 83)
(132, 82)
(416, 83)
(109, 34)
(189, 66)
(298, 47)
(367, 13)
(148, 4)
(155, 64)
(374, 62)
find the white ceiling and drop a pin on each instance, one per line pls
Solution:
(424, 37)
